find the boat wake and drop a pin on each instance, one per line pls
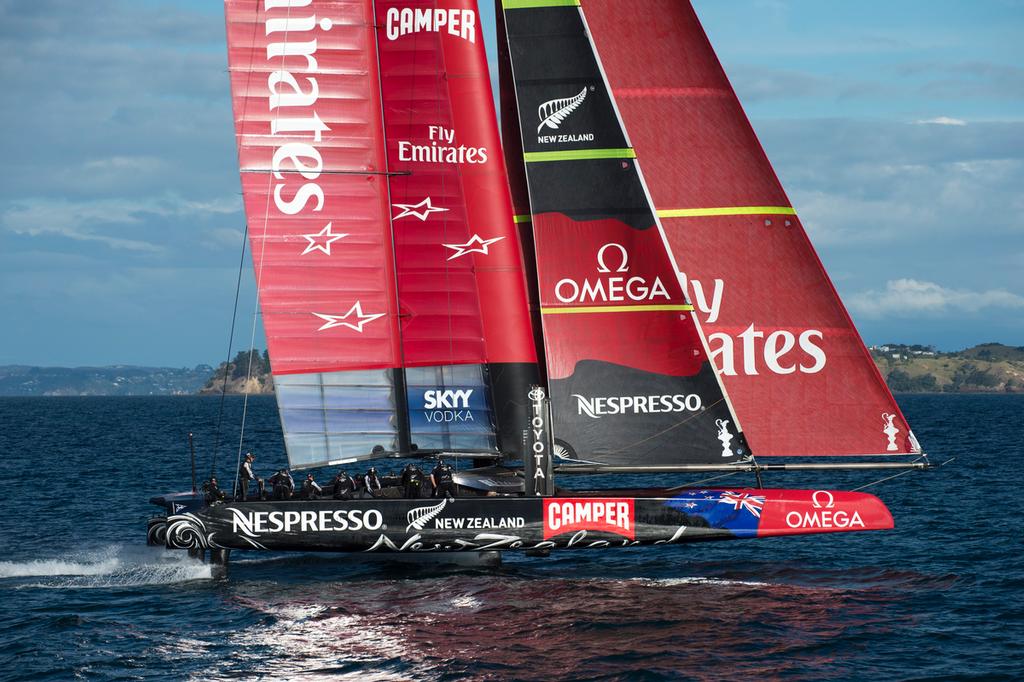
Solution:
(110, 566)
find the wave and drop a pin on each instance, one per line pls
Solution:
(111, 566)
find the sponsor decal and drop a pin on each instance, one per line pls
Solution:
(421, 210)
(724, 436)
(354, 319)
(595, 408)
(444, 406)
(420, 516)
(824, 514)
(255, 523)
(177, 507)
(539, 441)
(442, 149)
(476, 244)
(553, 113)
(589, 514)
(611, 285)
(784, 351)
(293, 73)
(460, 23)
(890, 430)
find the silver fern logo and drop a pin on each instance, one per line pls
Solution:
(553, 112)
(420, 516)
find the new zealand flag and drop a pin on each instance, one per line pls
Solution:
(738, 512)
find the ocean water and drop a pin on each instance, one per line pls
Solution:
(940, 597)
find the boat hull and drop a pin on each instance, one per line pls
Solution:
(586, 520)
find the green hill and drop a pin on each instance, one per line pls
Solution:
(987, 368)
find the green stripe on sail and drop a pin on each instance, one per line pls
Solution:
(579, 155)
(527, 218)
(530, 4)
(685, 307)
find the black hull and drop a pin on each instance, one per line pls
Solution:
(591, 520)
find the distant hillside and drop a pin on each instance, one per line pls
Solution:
(988, 368)
(257, 369)
(21, 380)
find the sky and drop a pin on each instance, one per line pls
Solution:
(897, 129)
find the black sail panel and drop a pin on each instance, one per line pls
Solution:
(628, 368)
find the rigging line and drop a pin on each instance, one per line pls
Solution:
(902, 473)
(259, 272)
(227, 361)
(704, 480)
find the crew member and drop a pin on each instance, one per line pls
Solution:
(442, 480)
(344, 486)
(245, 474)
(212, 493)
(311, 490)
(283, 485)
(371, 482)
(412, 481)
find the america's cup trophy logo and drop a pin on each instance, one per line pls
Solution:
(724, 436)
(890, 430)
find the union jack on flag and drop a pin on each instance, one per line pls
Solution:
(752, 503)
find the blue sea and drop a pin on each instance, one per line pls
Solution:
(940, 597)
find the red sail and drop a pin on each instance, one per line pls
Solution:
(387, 260)
(311, 151)
(796, 370)
(460, 272)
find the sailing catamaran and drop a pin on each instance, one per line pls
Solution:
(620, 295)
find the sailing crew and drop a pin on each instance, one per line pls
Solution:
(412, 481)
(311, 490)
(283, 485)
(344, 486)
(442, 480)
(211, 492)
(371, 483)
(245, 474)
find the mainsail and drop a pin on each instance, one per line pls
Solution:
(630, 379)
(388, 265)
(795, 367)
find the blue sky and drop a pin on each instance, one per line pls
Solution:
(896, 127)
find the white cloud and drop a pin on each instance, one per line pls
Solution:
(942, 121)
(911, 297)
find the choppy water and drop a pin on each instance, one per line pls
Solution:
(941, 597)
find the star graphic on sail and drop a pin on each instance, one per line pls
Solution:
(420, 210)
(475, 245)
(361, 319)
(322, 240)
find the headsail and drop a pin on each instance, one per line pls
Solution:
(629, 376)
(387, 261)
(796, 370)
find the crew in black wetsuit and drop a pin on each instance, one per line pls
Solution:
(245, 474)
(311, 490)
(371, 483)
(442, 481)
(412, 481)
(211, 492)
(344, 486)
(283, 485)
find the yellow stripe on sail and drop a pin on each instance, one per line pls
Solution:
(524, 218)
(530, 4)
(615, 309)
(725, 210)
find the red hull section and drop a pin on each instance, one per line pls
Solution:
(794, 366)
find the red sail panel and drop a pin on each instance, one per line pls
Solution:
(461, 285)
(311, 149)
(796, 370)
